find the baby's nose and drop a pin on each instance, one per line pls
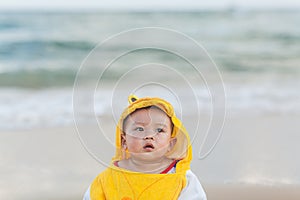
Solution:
(149, 135)
(149, 138)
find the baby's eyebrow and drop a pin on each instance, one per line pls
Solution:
(139, 123)
(142, 123)
(161, 124)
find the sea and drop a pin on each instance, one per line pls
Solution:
(256, 53)
(233, 61)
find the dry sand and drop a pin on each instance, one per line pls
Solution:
(251, 192)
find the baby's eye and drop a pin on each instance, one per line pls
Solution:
(159, 130)
(139, 129)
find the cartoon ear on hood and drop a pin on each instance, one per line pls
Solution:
(182, 150)
(132, 98)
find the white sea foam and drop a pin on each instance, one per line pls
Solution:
(24, 108)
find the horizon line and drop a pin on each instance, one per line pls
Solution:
(136, 10)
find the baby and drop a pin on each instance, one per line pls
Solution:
(152, 159)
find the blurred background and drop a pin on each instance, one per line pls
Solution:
(255, 44)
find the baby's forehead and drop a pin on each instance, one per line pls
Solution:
(149, 111)
(147, 115)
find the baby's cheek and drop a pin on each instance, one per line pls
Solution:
(163, 138)
(133, 146)
(163, 142)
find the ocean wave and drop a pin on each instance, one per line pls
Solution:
(30, 108)
(8, 25)
(37, 78)
(47, 47)
(48, 77)
(264, 35)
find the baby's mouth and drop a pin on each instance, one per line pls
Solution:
(148, 147)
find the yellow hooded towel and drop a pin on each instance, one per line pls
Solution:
(119, 184)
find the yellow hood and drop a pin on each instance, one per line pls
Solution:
(181, 151)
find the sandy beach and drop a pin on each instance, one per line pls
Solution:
(247, 192)
(53, 164)
(44, 164)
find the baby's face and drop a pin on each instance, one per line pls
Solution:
(148, 134)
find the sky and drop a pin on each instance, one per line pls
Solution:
(146, 4)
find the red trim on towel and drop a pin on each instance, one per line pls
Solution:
(170, 167)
